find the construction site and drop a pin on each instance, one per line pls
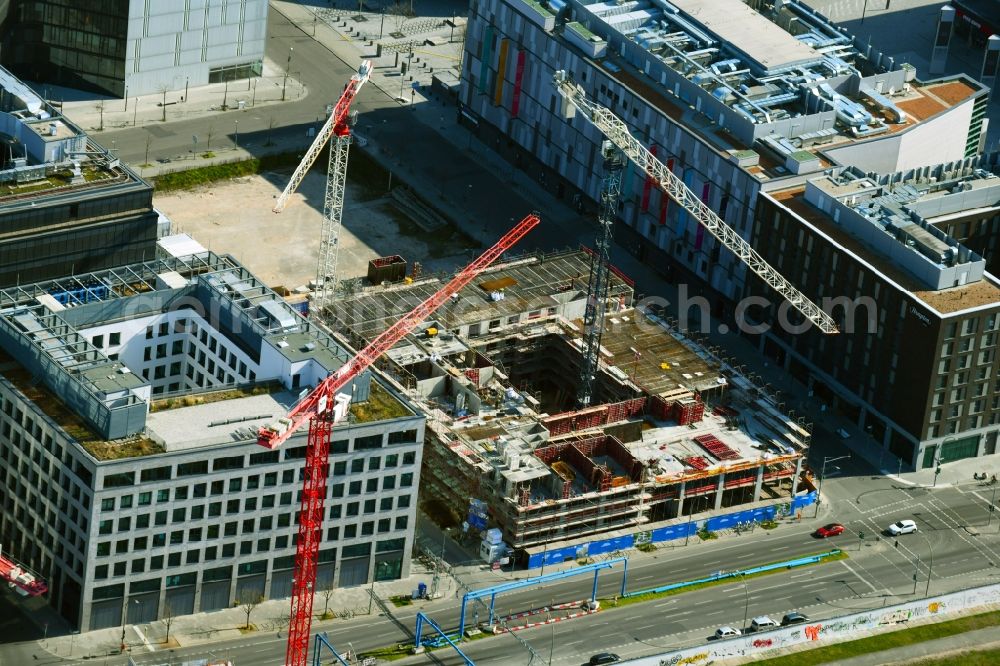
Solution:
(670, 431)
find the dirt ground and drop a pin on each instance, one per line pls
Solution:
(234, 217)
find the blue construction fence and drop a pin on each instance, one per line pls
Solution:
(669, 533)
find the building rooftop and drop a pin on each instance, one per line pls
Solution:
(888, 222)
(180, 333)
(47, 156)
(788, 85)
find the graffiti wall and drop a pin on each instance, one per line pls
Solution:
(847, 627)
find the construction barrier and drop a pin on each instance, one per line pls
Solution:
(669, 533)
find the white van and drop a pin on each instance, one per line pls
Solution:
(762, 623)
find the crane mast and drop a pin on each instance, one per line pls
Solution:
(337, 126)
(574, 98)
(316, 408)
(600, 272)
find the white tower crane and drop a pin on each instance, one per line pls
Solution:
(336, 180)
(574, 98)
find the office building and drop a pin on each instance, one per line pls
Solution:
(733, 97)
(915, 365)
(134, 47)
(130, 476)
(67, 205)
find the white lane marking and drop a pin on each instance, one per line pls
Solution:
(858, 576)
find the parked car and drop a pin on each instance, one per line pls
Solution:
(727, 632)
(794, 618)
(902, 527)
(833, 529)
(604, 658)
(762, 623)
(843, 433)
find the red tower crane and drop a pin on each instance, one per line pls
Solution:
(316, 408)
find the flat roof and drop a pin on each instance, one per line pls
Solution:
(202, 425)
(945, 301)
(747, 31)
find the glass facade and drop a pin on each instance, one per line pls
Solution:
(244, 70)
(76, 43)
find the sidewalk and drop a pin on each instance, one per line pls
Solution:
(979, 639)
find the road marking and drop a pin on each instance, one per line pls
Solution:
(720, 612)
(665, 603)
(857, 575)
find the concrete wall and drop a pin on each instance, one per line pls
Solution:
(762, 645)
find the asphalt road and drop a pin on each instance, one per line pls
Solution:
(953, 542)
(314, 64)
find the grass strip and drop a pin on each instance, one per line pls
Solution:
(729, 580)
(182, 180)
(888, 641)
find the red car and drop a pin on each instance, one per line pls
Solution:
(833, 529)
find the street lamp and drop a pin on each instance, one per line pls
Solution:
(125, 617)
(237, 132)
(822, 475)
(288, 66)
(746, 593)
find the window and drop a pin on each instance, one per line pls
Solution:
(235, 485)
(270, 479)
(357, 466)
(104, 549)
(121, 546)
(212, 532)
(218, 487)
(233, 506)
(108, 504)
(368, 528)
(211, 553)
(160, 518)
(339, 469)
(179, 515)
(198, 512)
(385, 504)
(374, 463)
(288, 476)
(368, 442)
(248, 526)
(114, 339)
(199, 490)
(193, 468)
(286, 499)
(403, 437)
(105, 527)
(384, 525)
(253, 482)
(120, 568)
(142, 521)
(409, 457)
(231, 528)
(173, 560)
(124, 524)
(401, 522)
(126, 501)
(354, 488)
(163, 495)
(232, 462)
(389, 483)
(371, 485)
(391, 460)
(229, 550)
(267, 502)
(337, 490)
(284, 520)
(159, 540)
(250, 504)
(406, 480)
(350, 531)
(352, 508)
(281, 542)
(101, 572)
(266, 522)
(140, 543)
(215, 509)
(370, 506)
